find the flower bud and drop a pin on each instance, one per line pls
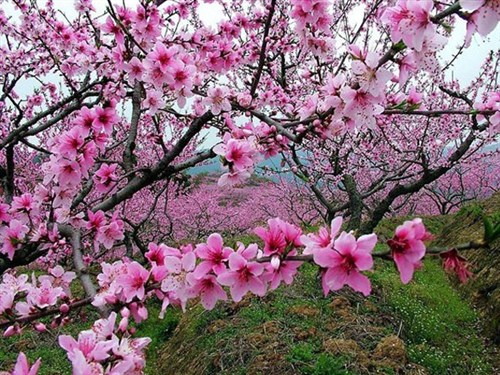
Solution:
(11, 331)
(275, 262)
(122, 326)
(40, 327)
(64, 308)
(125, 312)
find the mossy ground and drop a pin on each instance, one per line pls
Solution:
(295, 330)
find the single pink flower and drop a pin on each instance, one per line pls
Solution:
(243, 275)
(133, 282)
(69, 173)
(44, 296)
(324, 239)
(154, 101)
(71, 141)
(89, 344)
(85, 120)
(161, 56)
(181, 76)
(105, 177)
(345, 261)
(22, 366)
(239, 153)
(371, 77)
(104, 120)
(96, 220)
(217, 100)
(104, 328)
(208, 289)
(454, 262)
(23, 203)
(158, 253)
(410, 21)
(408, 247)
(176, 283)
(112, 28)
(135, 69)
(214, 256)
(274, 238)
(110, 233)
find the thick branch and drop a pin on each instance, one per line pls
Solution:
(128, 153)
(159, 171)
(262, 55)
(81, 270)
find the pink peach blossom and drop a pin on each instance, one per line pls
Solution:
(345, 261)
(408, 248)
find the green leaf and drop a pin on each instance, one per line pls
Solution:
(399, 46)
(488, 229)
(496, 232)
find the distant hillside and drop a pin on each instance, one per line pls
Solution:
(215, 167)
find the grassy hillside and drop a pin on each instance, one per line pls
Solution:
(426, 327)
(484, 288)
(422, 328)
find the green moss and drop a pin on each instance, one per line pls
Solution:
(308, 359)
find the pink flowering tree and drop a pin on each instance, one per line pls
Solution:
(103, 110)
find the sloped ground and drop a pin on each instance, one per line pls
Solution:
(426, 327)
(484, 287)
(423, 328)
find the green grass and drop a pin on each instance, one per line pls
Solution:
(305, 357)
(159, 330)
(439, 327)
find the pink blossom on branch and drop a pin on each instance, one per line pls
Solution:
(345, 260)
(408, 247)
(279, 237)
(243, 275)
(213, 255)
(217, 100)
(133, 282)
(324, 239)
